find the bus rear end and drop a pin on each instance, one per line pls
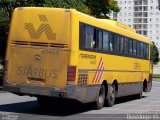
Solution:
(37, 59)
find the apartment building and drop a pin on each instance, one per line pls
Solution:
(143, 15)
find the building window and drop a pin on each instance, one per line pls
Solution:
(157, 38)
(145, 32)
(129, 2)
(120, 20)
(151, 19)
(157, 32)
(157, 25)
(157, 19)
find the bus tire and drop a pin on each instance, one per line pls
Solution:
(101, 98)
(111, 96)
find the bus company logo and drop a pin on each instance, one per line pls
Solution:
(37, 58)
(43, 28)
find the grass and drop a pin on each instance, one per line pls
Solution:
(156, 75)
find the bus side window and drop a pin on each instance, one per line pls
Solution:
(105, 41)
(81, 37)
(134, 48)
(111, 42)
(141, 50)
(130, 47)
(138, 49)
(147, 52)
(121, 45)
(116, 43)
(95, 39)
(151, 54)
(126, 47)
(100, 42)
(89, 38)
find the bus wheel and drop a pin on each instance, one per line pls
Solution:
(111, 96)
(101, 98)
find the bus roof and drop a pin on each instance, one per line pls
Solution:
(115, 23)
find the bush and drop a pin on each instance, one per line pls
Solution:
(156, 75)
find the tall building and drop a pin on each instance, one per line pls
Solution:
(143, 15)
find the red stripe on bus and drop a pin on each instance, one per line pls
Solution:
(96, 72)
(99, 72)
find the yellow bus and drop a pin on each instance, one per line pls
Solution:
(62, 53)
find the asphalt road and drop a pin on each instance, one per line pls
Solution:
(13, 107)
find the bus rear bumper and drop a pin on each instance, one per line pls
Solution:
(70, 92)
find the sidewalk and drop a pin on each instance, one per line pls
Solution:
(156, 79)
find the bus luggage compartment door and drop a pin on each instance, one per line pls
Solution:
(38, 66)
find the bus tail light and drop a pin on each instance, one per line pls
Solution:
(71, 75)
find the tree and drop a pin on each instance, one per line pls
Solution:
(100, 8)
(155, 54)
(76, 4)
